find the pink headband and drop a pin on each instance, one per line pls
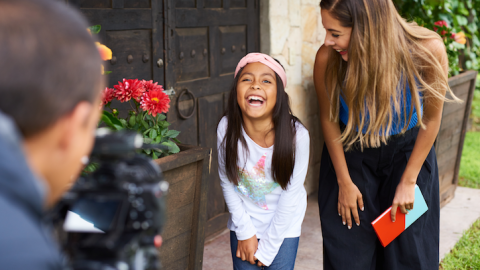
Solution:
(266, 60)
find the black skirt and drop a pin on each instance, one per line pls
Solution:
(376, 172)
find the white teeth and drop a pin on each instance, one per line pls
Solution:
(339, 50)
(255, 98)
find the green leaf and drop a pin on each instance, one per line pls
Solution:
(132, 120)
(111, 121)
(172, 133)
(95, 29)
(107, 72)
(153, 133)
(164, 124)
(176, 140)
(161, 117)
(124, 122)
(145, 125)
(460, 20)
(154, 156)
(147, 151)
(174, 149)
(147, 140)
(146, 131)
(158, 139)
(458, 45)
(462, 10)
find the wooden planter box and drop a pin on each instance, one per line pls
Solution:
(184, 232)
(449, 143)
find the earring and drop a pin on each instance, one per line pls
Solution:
(84, 160)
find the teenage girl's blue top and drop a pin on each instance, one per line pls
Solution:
(398, 122)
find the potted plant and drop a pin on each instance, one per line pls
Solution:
(184, 167)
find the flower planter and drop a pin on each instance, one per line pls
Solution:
(449, 142)
(183, 234)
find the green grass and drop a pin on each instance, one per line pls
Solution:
(469, 175)
(466, 253)
(475, 116)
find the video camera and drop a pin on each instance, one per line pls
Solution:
(112, 217)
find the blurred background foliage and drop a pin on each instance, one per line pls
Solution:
(461, 16)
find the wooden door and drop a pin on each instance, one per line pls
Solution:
(133, 29)
(205, 39)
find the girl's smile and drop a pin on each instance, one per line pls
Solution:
(255, 101)
(257, 91)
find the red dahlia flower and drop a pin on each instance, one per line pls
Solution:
(150, 86)
(155, 101)
(107, 95)
(129, 89)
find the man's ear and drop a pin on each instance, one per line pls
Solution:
(74, 122)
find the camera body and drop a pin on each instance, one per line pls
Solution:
(111, 217)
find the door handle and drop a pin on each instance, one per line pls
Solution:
(186, 91)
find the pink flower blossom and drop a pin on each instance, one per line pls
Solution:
(155, 102)
(129, 89)
(441, 24)
(107, 95)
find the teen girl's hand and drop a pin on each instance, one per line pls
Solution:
(404, 198)
(259, 263)
(246, 249)
(348, 198)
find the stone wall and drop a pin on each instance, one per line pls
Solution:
(291, 31)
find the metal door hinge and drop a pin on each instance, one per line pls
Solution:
(170, 92)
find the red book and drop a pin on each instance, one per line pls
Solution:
(386, 229)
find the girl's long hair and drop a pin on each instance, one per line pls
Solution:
(284, 126)
(385, 54)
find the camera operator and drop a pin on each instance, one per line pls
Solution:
(50, 83)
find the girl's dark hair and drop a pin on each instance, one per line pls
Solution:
(284, 126)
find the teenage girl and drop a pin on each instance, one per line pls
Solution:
(381, 84)
(263, 160)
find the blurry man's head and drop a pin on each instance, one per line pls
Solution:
(50, 82)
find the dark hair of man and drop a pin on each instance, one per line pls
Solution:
(284, 126)
(49, 62)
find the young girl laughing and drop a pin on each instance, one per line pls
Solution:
(263, 160)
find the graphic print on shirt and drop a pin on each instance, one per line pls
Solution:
(254, 185)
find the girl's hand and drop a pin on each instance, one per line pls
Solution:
(246, 249)
(404, 198)
(259, 264)
(348, 198)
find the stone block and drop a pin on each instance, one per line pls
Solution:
(310, 2)
(279, 8)
(294, 9)
(311, 181)
(295, 40)
(309, 51)
(279, 32)
(294, 73)
(321, 32)
(286, 54)
(309, 23)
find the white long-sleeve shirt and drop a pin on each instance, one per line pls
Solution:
(258, 205)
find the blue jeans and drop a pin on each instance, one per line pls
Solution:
(285, 259)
